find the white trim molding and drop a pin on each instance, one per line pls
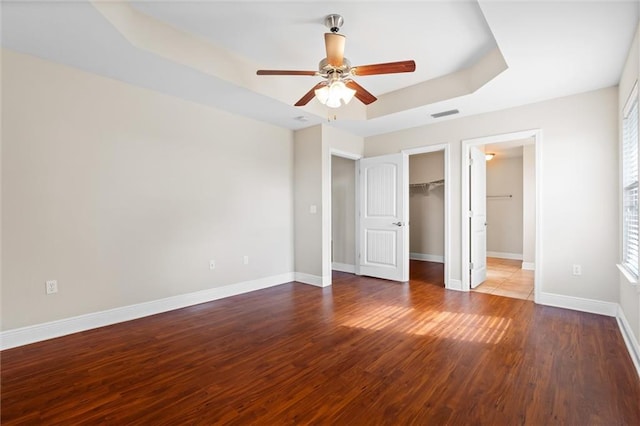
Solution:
(314, 280)
(343, 267)
(452, 284)
(631, 279)
(528, 266)
(427, 257)
(629, 338)
(592, 306)
(49, 330)
(502, 255)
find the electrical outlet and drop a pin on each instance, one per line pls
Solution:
(245, 260)
(577, 270)
(51, 286)
(212, 265)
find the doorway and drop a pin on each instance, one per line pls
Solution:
(343, 214)
(426, 217)
(429, 215)
(512, 184)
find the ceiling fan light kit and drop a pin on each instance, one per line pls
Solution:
(339, 87)
(334, 93)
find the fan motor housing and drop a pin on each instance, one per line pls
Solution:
(325, 69)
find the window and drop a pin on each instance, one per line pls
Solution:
(630, 259)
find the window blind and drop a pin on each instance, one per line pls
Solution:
(630, 244)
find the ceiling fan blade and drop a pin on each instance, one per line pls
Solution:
(309, 95)
(361, 93)
(285, 72)
(387, 68)
(334, 43)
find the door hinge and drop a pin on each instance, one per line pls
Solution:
(470, 265)
(470, 213)
(471, 161)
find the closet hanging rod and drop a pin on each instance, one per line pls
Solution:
(500, 196)
(426, 184)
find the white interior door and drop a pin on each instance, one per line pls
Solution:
(384, 217)
(478, 217)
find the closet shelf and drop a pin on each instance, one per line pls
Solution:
(425, 187)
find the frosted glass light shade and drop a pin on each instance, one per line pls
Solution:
(334, 94)
(322, 94)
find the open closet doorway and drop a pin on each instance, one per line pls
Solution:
(343, 215)
(426, 217)
(510, 189)
(429, 215)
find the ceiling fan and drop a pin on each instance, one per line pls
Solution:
(339, 86)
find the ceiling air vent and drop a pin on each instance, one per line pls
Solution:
(445, 113)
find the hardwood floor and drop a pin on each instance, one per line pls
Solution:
(505, 277)
(363, 351)
(431, 273)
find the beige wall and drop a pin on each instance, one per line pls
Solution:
(308, 193)
(504, 215)
(579, 204)
(343, 210)
(426, 208)
(629, 294)
(313, 152)
(124, 195)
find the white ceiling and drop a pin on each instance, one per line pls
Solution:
(552, 49)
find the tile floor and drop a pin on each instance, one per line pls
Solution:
(506, 278)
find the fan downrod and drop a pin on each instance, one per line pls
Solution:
(334, 22)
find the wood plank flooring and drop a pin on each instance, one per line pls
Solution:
(363, 351)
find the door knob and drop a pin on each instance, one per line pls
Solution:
(397, 223)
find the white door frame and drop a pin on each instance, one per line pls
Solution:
(448, 283)
(536, 134)
(327, 222)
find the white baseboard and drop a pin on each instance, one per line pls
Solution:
(326, 280)
(528, 266)
(452, 284)
(343, 267)
(314, 280)
(629, 338)
(501, 255)
(427, 257)
(609, 309)
(63, 327)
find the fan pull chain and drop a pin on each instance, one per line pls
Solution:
(335, 117)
